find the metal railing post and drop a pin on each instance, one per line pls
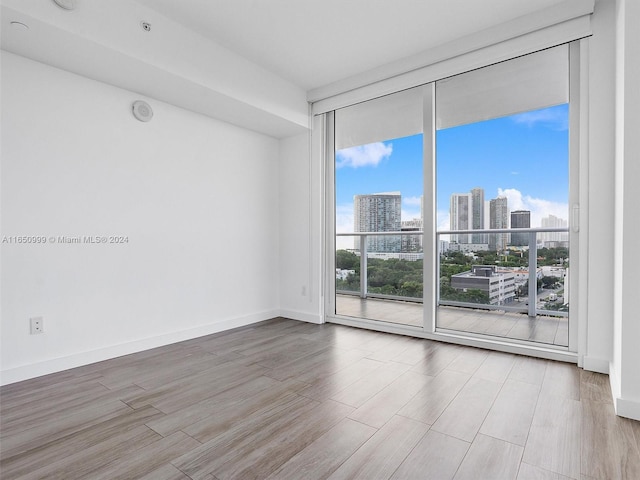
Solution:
(533, 274)
(437, 279)
(363, 266)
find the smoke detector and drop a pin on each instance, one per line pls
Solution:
(142, 111)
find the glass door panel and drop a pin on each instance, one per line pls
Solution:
(378, 209)
(502, 181)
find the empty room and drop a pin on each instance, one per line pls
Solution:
(319, 239)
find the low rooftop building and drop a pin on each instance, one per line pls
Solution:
(498, 284)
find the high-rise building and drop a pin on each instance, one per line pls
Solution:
(379, 212)
(553, 222)
(460, 215)
(412, 243)
(520, 219)
(466, 212)
(498, 218)
(477, 215)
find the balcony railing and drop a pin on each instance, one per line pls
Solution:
(531, 249)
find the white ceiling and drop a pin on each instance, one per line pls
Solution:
(253, 63)
(313, 43)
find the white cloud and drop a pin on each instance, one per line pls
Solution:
(363, 155)
(412, 201)
(411, 208)
(409, 214)
(551, 117)
(538, 207)
(344, 224)
(444, 220)
(443, 223)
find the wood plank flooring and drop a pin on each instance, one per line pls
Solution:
(496, 323)
(290, 400)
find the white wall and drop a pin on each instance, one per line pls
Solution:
(613, 330)
(300, 232)
(600, 269)
(625, 365)
(197, 199)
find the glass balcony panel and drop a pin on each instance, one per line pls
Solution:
(485, 288)
(480, 291)
(394, 279)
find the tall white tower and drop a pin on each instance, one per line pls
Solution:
(498, 218)
(460, 215)
(477, 215)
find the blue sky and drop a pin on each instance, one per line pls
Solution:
(523, 156)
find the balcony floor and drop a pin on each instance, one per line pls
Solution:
(542, 329)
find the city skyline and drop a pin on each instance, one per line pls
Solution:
(522, 157)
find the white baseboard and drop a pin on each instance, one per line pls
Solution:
(594, 364)
(627, 408)
(623, 406)
(302, 316)
(54, 365)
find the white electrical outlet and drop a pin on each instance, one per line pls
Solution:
(37, 325)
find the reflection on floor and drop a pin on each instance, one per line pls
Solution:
(550, 330)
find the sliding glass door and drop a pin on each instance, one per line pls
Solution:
(503, 178)
(452, 204)
(379, 180)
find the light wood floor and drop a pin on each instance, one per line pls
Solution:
(290, 400)
(542, 329)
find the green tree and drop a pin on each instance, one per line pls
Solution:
(470, 296)
(347, 260)
(525, 287)
(411, 289)
(549, 282)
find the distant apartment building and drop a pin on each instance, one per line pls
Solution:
(379, 212)
(520, 219)
(522, 274)
(467, 247)
(466, 212)
(498, 284)
(408, 256)
(343, 274)
(498, 218)
(477, 215)
(554, 239)
(553, 271)
(411, 243)
(460, 216)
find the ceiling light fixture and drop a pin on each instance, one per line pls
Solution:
(66, 4)
(145, 26)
